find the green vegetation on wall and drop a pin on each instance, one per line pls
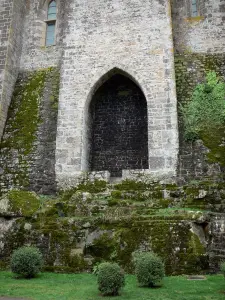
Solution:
(206, 110)
(23, 121)
(24, 113)
(81, 228)
(191, 72)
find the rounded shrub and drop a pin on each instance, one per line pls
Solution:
(149, 268)
(110, 279)
(26, 262)
(222, 268)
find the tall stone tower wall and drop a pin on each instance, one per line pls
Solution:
(106, 37)
(199, 48)
(204, 33)
(99, 39)
(11, 28)
(35, 55)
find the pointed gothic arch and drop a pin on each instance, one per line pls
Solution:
(116, 134)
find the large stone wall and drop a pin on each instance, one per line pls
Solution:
(35, 54)
(11, 18)
(98, 40)
(107, 37)
(202, 34)
(27, 149)
(194, 161)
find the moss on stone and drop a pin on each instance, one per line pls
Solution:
(65, 230)
(24, 112)
(213, 139)
(131, 185)
(113, 202)
(95, 186)
(22, 123)
(23, 203)
(102, 247)
(55, 83)
(186, 80)
(116, 194)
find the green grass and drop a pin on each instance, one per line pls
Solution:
(83, 287)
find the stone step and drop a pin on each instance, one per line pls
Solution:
(115, 180)
(217, 252)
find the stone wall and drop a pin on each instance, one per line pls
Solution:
(98, 222)
(35, 54)
(95, 42)
(113, 36)
(202, 34)
(11, 18)
(27, 149)
(194, 160)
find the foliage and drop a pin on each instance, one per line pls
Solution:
(222, 267)
(206, 108)
(26, 262)
(96, 268)
(149, 268)
(110, 279)
(50, 286)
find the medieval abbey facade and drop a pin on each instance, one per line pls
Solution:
(118, 98)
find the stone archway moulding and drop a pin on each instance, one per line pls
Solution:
(102, 78)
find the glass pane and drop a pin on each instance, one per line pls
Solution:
(52, 10)
(194, 10)
(51, 28)
(52, 4)
(50, 34)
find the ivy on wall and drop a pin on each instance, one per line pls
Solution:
(206, 108)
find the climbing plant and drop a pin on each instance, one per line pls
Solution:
(206, 110)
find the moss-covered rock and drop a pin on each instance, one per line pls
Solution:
(19, 203)
(87, 227)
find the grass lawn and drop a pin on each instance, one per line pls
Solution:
(83, 287)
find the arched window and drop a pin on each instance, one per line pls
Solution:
(51, 24)
(194, 8)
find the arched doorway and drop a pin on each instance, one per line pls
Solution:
(118, 133)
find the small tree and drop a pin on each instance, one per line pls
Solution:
(149, 268)
(110, 279)
(26, 262)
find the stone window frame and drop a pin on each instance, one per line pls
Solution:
(43, 17)
(200, 16)
(200, 5)
(49, 21)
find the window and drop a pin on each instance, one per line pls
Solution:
(51, 24)
(194, 8)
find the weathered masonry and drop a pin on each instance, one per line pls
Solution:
(98, 85)
(93, 89)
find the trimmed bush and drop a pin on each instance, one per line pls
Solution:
(149, 268)
(222, 268)
(110, 279)
(26, 262)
